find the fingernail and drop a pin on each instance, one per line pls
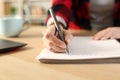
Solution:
(63, 46)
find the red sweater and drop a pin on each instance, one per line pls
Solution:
(76, 13)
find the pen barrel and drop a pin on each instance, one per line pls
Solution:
(61, 36)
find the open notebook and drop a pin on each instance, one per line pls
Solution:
(83, 49)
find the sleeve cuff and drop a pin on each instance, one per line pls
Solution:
(59, 19)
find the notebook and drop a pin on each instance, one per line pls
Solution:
(83, 49)
(8, 45)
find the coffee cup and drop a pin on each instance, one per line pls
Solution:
(13, 26)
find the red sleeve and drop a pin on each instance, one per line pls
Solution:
(62, 8)
(117, 14)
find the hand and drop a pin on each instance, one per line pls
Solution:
(52, 42)
(109, 33)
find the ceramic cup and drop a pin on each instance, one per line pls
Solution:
(13, 26)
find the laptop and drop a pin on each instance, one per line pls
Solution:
(8, 45)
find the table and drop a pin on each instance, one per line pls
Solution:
(22, 64)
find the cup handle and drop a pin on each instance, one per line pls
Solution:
(28, 22)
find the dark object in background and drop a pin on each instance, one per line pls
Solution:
(7, 45)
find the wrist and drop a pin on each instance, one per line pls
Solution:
(59, 23)
(59, 19)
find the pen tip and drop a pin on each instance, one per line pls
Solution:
(67, 51)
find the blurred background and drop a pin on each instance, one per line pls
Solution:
(36, 10)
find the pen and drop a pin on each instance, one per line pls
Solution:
(61, 35)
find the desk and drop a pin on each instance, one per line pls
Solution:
(22, 65)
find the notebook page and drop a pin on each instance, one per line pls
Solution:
(85, 48)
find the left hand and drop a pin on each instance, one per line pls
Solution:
(109, 33)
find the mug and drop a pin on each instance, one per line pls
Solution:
(13, 26)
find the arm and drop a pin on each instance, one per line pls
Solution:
(111, 32)
(63, 9)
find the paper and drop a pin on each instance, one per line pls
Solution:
(83, 48)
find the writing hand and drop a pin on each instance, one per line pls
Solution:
(52, 42)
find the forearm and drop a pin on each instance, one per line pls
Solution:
(62, 11)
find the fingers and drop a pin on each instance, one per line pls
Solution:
(52, 46)
(57, 42)
(99, 35)
(52, 42)
(68, 36)
(55, 48)
(115, 36)
(109, 33)
(103, 35)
